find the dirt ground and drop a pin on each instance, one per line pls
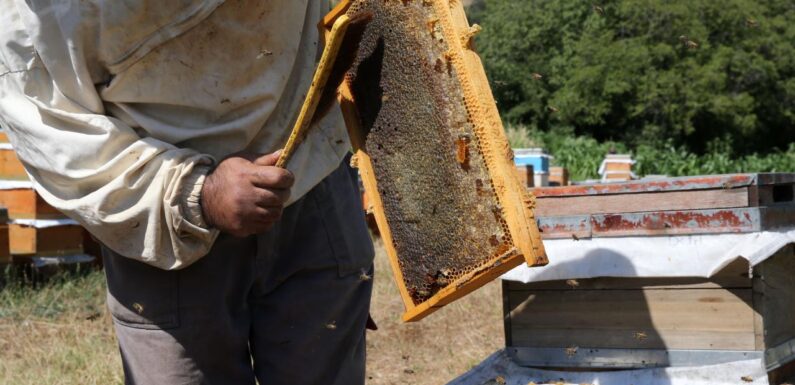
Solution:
(61, 334)
(436, 349)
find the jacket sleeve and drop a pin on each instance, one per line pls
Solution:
(138, 195)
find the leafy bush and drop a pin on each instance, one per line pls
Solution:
(686, 75)
(582, 155)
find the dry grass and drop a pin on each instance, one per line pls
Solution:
(436, 349)
(62, 334)
(58, 334)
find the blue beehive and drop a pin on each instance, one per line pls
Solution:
(535, 157)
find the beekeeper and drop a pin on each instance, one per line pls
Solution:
(154, 124)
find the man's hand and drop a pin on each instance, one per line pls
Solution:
(245, 194)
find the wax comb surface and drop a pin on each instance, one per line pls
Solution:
(432, 154)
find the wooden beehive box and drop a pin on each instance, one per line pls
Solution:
(32, 227)
(651, 322)
(641, 322)
(29, 239)
(35, 227)
(734, 203)
(10, 166)
(617, 167)
(26, 203)
(5, 254)
(432, 153)
(526, 175)
(558, 176)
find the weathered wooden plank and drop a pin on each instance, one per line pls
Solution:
(733, 220)
(775, 178)
(626, 339)
(683, 309)
(676, 319)
(689, 183)
(676, 222)
(26, 203)
(655, 201)
(45, 241)
(10, 166)
(578, 226)
(774, 280)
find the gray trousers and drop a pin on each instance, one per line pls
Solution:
(285, 307)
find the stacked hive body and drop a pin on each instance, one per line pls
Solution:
(35, 229)
(631, 322)
(717, 204)
(533, 166)
(617, 168)
(432, 154)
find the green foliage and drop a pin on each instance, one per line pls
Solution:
(582, 155)
(684, 75)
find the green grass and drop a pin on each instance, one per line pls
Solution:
(61, 333)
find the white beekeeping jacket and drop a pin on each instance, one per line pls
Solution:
(119, 108)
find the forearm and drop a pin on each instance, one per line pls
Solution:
(138, 196)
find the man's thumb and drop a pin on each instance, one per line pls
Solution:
(268, 159)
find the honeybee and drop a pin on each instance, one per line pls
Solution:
(462, 150)
(599, 10)
(572, 351)
(690, 44)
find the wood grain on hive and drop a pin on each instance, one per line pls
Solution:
(432, 153)
(633, 322)
(733, 203)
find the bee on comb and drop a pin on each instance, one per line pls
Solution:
(434, 159)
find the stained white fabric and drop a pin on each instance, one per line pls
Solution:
(749, 372)
(674, 256)
(118, 109)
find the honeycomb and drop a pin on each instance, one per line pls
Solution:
(443, 213)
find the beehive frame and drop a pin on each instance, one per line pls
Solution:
(515, 202)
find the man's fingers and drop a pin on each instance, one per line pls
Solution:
(272, 197)
(268, 159)
(270, 177)
(266, 216)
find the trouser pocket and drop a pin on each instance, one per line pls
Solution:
(140, 295)
(338, 202)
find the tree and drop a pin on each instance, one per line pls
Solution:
(687, 72)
